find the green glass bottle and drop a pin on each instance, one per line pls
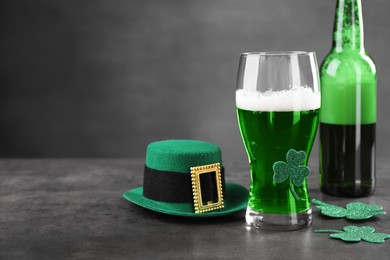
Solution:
(348, 108)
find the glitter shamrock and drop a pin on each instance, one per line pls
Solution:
(292, 170)
(356, 234)
(354, 210)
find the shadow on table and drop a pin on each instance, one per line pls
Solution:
(149, 215)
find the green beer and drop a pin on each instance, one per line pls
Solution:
(267, 137)
(278, 98)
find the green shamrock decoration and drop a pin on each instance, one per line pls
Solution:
(354, 210)
(356, 234)
(292, 170)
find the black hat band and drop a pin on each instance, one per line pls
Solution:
(177, 187)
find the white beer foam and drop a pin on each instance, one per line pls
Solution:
(297, 98)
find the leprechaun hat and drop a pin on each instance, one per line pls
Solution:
(186, 178)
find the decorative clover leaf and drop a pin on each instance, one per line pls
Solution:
(359, 210)
(356, 234)
(354, 210)
(292, 170)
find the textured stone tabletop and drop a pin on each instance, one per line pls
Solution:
(60, 208)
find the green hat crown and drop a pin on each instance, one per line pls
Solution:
(181, 155)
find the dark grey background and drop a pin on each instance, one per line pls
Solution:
(94, 78)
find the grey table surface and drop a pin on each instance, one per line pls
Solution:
(73, 208)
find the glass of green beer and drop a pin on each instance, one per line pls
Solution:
(278, 100)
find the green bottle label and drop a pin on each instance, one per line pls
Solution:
(348, 90)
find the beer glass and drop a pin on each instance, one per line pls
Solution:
(278, 100)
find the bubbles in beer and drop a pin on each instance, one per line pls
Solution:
(297, 98)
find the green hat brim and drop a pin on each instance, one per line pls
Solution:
(236, 200)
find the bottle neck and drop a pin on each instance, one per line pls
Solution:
(348, 26)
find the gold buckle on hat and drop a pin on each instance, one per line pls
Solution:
(199, 205)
